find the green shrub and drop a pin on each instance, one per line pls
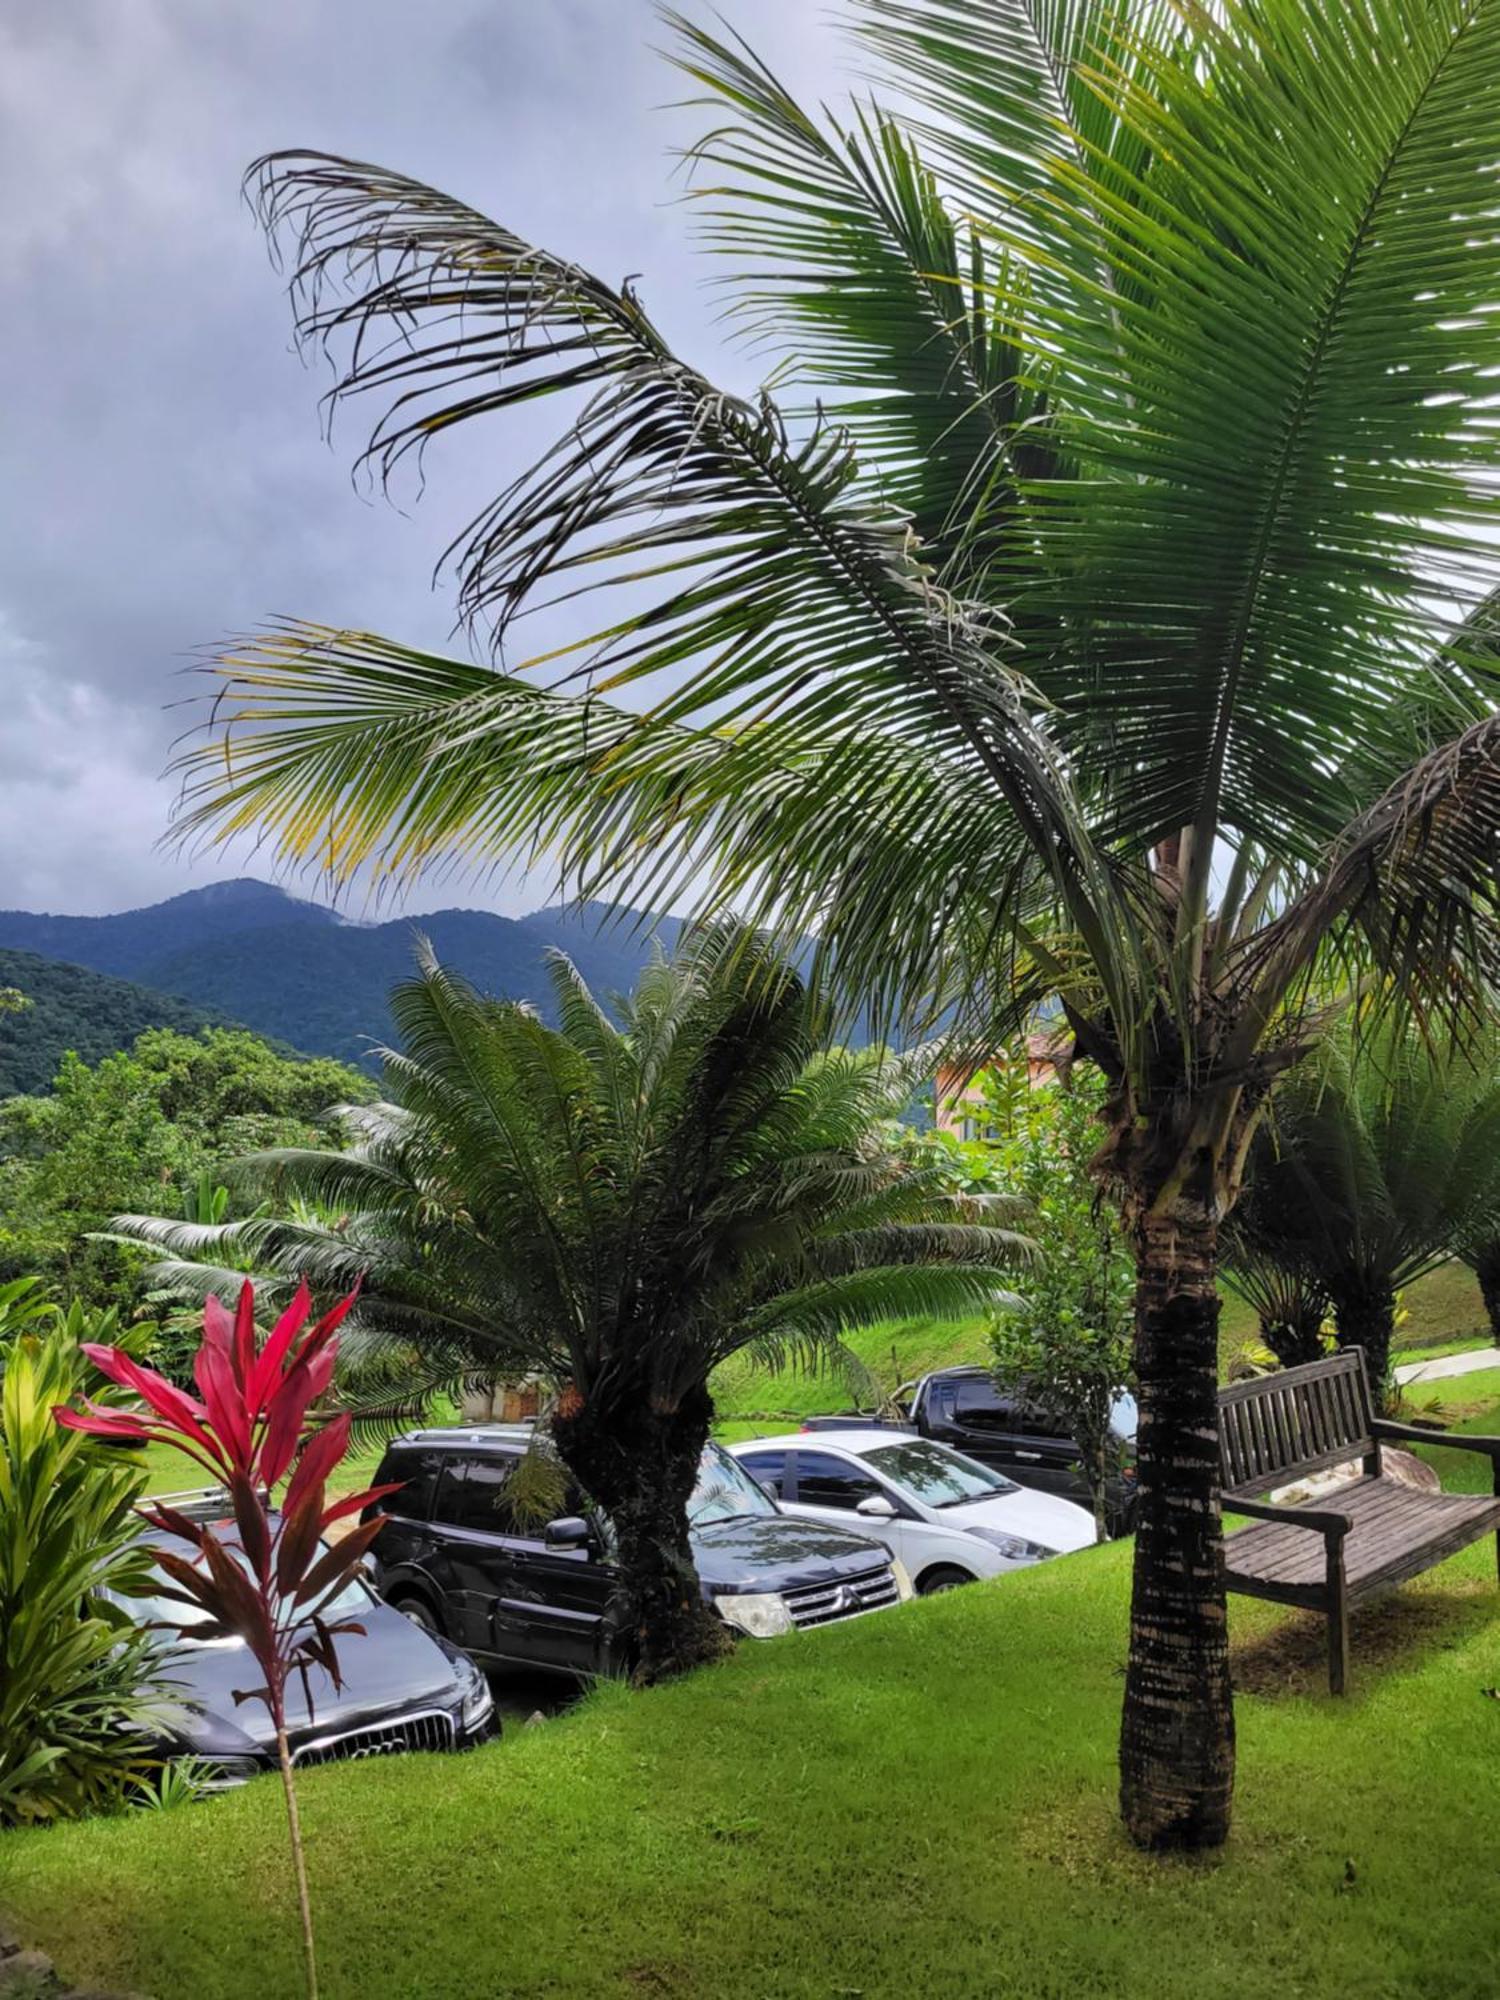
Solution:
(76, 1673)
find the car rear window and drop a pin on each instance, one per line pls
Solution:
(472, 1492)
(417, 1471)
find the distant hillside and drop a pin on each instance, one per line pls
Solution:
(300, 973)
(73, 1008)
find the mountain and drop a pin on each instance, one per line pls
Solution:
(73, 1008)
(299, 972)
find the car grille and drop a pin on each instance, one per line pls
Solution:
(431, 1730)
(846, 1597)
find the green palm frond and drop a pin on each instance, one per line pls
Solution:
(635, 1197)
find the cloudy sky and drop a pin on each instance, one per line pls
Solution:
(163, 481)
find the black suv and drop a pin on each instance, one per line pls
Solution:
(457, 1557)
(963, 1408)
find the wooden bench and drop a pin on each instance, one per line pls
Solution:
(1366, 1535)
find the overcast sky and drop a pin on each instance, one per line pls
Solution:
(163, 481)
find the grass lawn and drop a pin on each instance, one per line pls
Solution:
(1444, 1315)
(917, 1802)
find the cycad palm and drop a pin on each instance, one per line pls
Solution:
(1381, 1158)
(621, 1206)
(1118, 630)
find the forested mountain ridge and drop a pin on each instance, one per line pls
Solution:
(70, 1007)
(300, 973)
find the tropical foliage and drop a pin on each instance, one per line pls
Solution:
(76, 1672)
(1380, 1159)
(620, 1205)
(133, 1130)
(1068, 1341)
(270, 1583)
(1102, 613)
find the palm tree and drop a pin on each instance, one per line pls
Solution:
(1380, 1159)
(1101, 616)
(620, 1207)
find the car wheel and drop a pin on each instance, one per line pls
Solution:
(415, 1608)
(934, 1580)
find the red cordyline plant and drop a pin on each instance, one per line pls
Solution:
(245, 1428)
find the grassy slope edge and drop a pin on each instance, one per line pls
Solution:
(915, 1802)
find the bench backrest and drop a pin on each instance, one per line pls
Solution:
(1277, 1427)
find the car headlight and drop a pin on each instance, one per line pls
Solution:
(1015, 1548)
(760, 1615)
(223, 1774)
(478, 1700)
(903, 1581)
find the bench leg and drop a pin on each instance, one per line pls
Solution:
(1338, 1644)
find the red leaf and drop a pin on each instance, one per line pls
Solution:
(100, 1423)
(320, 1455)
(244, 1337)
(180, 1412)
(213, 1371)
(285, 1412)
(338, 1563)
(255, 1532)
(355, 1503)
(297, 1542)
(268, 1367)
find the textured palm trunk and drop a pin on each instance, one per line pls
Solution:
(1177, 1733)
(640, 1464)
(1366, 1317)
(1487, 1271)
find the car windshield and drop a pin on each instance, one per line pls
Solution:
(936, 1476)
(186, 1619)
(724, 1490)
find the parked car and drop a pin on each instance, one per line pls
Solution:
(401, 1688)
(457, 1556)
(947, 1518)
(964, 1408)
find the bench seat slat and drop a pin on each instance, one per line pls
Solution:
(1393, 1526)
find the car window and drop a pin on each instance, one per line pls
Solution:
(826, 1481)
(725, 1490)
(418, 1472)
(938, 1477)
(1032, 1422)
(979, 1406)
(769, 1468)
(1124, 1416)
(471, 1493)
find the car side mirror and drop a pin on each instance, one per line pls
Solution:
(569, 1531)
(876, 1508)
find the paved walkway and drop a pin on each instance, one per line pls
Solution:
(1449, 1364)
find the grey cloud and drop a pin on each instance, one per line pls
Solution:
(162, 477)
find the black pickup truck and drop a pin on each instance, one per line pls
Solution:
(964, 1408)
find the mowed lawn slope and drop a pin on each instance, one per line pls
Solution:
(912, 1803)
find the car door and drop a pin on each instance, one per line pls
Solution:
(554, 1609)
(972, 1416)
(1046, 1454)
(470, 1560)
(828, 1486)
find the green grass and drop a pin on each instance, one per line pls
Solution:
(752, 1400)
(919, 1802)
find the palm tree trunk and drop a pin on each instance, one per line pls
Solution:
(640, 1464)
(1365, 1315)
(1487, 1271)
(1177, 1732)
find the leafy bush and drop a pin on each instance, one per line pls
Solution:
(1069, 1342)
(75, 1671)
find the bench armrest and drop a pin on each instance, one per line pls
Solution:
(1449, 1440)
(1323, 1519)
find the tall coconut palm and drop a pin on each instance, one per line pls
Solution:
(1102, 613)
(1381, 1159)
(620, 1206)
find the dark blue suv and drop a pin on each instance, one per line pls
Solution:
(458, 1557)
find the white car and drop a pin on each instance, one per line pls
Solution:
(948, 1518)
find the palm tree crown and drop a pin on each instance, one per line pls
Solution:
(618, 1205)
